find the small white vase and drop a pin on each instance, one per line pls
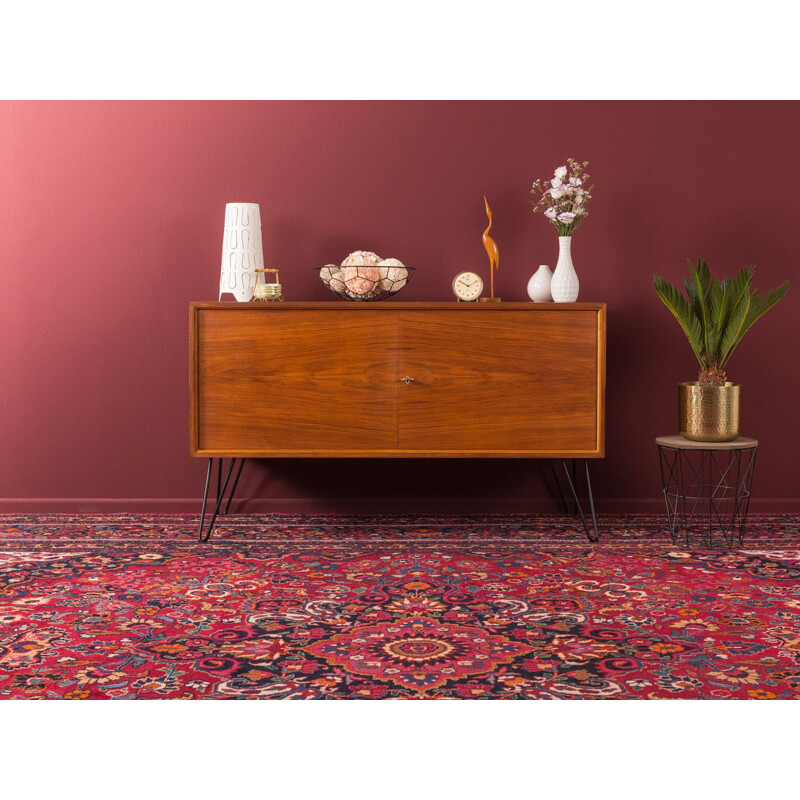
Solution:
(539, 285)
(564, 286)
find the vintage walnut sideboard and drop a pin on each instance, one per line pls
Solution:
(395, 380)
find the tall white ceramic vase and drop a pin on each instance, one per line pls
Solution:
(242, 250)
(564, 286)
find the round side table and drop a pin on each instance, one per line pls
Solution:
(707, 486)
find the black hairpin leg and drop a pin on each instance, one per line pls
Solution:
(235, 484)
(204, 532)
(205, 494)
(558, 486)
(593, 535)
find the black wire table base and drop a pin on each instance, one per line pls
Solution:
(707, 492)
(204, 531)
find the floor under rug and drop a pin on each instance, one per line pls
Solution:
(325, 607)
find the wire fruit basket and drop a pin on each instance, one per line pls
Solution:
(365, 283)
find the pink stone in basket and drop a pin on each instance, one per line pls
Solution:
(360, 275)
(361, 258)
(396, 275)
(361, 280)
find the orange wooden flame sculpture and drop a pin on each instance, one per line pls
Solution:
(491, 249)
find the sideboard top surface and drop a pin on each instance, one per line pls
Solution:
(343, 305)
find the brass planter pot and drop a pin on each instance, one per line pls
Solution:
(709, 413)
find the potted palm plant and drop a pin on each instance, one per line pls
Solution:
(714, 318)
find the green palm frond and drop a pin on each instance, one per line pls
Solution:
(757, 308)
(683, 312)
(700, 280)
(735, 290)
(716, 297)
(694, 299)
(736, 327)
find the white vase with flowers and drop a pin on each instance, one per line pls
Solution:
(563, 200)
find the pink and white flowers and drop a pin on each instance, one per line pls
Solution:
(563, 198)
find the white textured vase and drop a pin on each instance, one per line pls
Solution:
(539, 285)
(242, 251)
(564, 286)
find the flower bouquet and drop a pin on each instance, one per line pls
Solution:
(563, 200)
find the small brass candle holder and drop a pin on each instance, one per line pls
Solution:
(267, 291)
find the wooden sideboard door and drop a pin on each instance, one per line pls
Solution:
(307, 380)
(500, 380)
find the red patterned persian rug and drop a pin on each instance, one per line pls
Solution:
(326, 607)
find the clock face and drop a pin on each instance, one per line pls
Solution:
(467, 286)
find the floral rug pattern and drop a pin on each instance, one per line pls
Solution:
(327, 607)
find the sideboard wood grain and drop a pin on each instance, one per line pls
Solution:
(326, 380)
(504, 381)
(296, 381)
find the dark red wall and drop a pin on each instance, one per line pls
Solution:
(111, 218)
